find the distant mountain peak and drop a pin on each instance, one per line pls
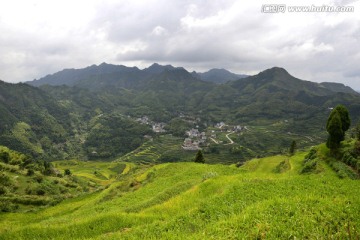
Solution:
(276, 70)
(157, 68)
(219, 76)
(218, 70)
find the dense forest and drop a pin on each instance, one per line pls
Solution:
(92, 113)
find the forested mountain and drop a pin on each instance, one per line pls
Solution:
(73, 77)
(93, 77)
(275, 94)
(92, 112)
(219, 76)
(31, 121)
(338, 87)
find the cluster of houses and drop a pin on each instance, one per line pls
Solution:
(194, 140)
(220, 125)
(224, 127)
(156, 127)
(143, 120)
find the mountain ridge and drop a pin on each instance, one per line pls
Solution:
(110, 74)
(218, 75)
(99, 102)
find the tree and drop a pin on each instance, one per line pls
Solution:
(344, 118)
(357, 131)
(292, 147)
(335, 130)
(4, 157)
(48, 169)
(199, 158)
(67, 172)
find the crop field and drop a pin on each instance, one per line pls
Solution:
(102, 173)
(264, 198)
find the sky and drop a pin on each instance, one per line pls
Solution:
(40, 37)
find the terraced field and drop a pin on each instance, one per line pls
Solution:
(200, 201)
(102, 173)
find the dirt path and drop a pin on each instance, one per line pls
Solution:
(214, 140)
(231, 141)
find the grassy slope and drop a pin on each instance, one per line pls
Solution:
(188, 200)
(102, 173)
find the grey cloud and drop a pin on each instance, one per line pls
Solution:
(352, 74)
(194, 34)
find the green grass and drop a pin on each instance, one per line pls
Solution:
(152, 151)
(201, 201)
(102, 173)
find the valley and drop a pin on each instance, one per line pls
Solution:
(179, 120)
(95, 112)
(108, 152)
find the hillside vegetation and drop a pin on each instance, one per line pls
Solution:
(93, 113)
(26, 184)
(272, 198)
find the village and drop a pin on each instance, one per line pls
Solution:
(156, 127)
(196, 140)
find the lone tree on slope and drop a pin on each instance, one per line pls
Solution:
(338, 123)
(199, 158)
(292, 148)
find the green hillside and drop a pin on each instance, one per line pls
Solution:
(265, 198)
(111, 156)
(27, 184)
(92, 113)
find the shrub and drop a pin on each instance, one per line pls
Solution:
(6, 206)
(309, 166)
(3, 190)
(311, 155)
(4, 157)
(342, 170)
(40, 191)
(282, 166)
(350, 160)
(30, 172)
(356, 149)
(67, 172)
(38, 178)
(310, 162)
(199, 158)
(28, 191)
(5, 179)
(30, 166)
(358, 166)
(15, 161)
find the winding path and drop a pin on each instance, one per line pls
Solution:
(214, 140)
(231, 141)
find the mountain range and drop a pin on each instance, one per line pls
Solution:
(79, 112)
(122, 76)
(108, 73)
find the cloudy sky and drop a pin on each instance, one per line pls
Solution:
(40, 37)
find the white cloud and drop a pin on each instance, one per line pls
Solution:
(159, 31)
(39, 37)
